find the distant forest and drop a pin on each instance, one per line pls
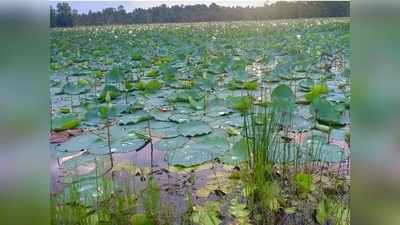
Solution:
(64, 16)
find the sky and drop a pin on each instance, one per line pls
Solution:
(85, 6)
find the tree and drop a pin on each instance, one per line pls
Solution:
(199, 12)
(52, 17)
(64, 15)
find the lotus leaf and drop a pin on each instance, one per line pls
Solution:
(283, 97)
(112, 91)
(65, 122)
(194, 128)
(325, 112)
(80, 87)
(170, 143)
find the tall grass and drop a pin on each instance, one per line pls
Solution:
(261, 132)
(278, 169)
(109, 203)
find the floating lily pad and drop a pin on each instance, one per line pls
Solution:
(215, 110)
(84, 167)
(75, 88)
(134, 118)
(190, 154)
(65, 122)
(283, 97)
(194, 128)
(128, 144)
(164, 129)
(200, 149)
(306, 84)
(76, 144)
(114, 92)
(170, 144)
(121, 141)
(234, 120)
(325, 112)
(336, 97)
(330, 153)
(161, 116)
(237, 153)
(316, 91)
(293, 76)
(217, 140)
(300, 124)
(180, 118)
(115, 75)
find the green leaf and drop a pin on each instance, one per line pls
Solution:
(135, 118)
(152, 73)
(283, 97)
(150, 86)
(240, 213)
(141, 86)
(65, 110)
(306, 84)
(231, 131)
(183, 96)
(322, 212)
(170, 144)
(241, 104)
(115, 75)
(194, 128)
(237, 153)
(250, 85)
(304, 183)
(194, 104)
(325, 112)
(141, 219)
(200, 149)
(106, 112)
(136, 56)
(65, 122)
(316, 91)
(108, 97)
(128, 86)
(151, 199)
(80, 87)
(153, 85)
(207, 214)
(290, 211)
(112, 90)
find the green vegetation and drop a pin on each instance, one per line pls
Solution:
(64, 16)
(201, 124)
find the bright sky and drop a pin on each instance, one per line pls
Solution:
(85, 6)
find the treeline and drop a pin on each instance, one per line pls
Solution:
(63, 16)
